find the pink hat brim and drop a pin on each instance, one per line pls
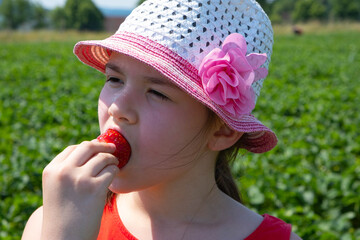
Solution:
(257, 138)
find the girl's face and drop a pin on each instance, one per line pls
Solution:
(162, 123)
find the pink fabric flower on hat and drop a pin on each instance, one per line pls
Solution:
(228, 73)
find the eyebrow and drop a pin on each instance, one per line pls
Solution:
(113, 67)
(154, 80)
(160, 81)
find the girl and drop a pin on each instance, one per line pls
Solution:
(182, 78)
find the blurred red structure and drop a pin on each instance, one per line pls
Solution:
(111, 24)
(297, 30)
(113, 18)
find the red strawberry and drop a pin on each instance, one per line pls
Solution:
(123, 149)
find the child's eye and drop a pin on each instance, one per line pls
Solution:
(159, 95)
(114, 80)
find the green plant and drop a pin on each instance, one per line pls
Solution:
(311, 179)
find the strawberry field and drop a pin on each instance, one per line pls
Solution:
(48, 100)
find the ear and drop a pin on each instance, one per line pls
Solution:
(223, 137)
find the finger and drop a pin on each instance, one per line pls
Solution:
(101, 160)
(64, 154)
(86, 150)
(107, 175)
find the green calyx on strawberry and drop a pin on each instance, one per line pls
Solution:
(123, 149)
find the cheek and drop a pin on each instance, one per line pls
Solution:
(171, 133)
(151, 131)
(103, 106)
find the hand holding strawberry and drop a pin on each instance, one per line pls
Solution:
(75, 185)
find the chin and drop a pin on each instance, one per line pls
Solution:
(120, 185)
(125, 185)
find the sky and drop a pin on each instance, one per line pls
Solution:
(120, 4)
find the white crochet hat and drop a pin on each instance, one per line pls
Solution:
(188, 42)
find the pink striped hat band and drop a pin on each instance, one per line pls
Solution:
(218, 51)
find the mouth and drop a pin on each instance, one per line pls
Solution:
(123, 148)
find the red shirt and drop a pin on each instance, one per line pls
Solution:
(112, 228)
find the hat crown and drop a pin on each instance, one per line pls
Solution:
(193, 28)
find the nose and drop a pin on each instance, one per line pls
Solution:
(123, 108)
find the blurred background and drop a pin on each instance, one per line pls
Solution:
(106, 15)
(48, 100)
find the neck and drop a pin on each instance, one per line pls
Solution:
(177, 201)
